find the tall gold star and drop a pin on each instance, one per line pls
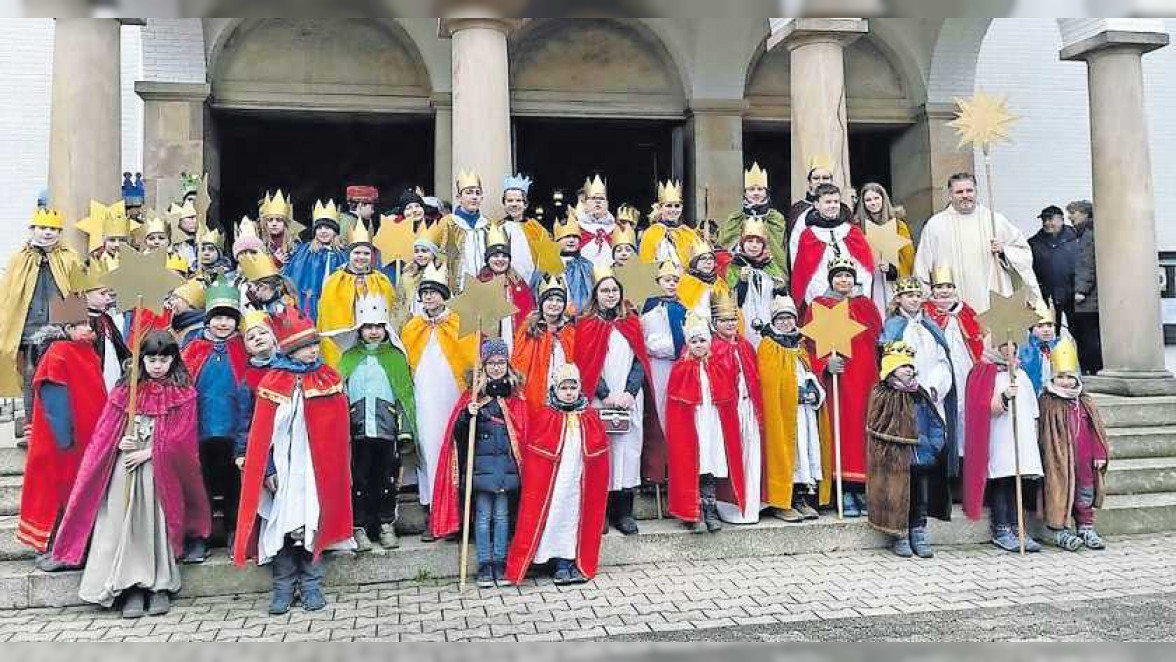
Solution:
(885, 240)
(94, 224)
(639, 281)
(1007, 318)
(481, 306)
(394, 240)
(547, 257)
(142, 275)
(832, 329)
(983, 121)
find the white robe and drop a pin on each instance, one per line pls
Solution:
(963, 243)
(659, 342)
(807, 469)
(931, 361)
(712, 452)
(757, 305)
(473, 251)
(1001, 460)
(437, 393)
(599, 254)
(521, 259)
(834, 240)
(295, 505)
(561, 531)
(749, 433)
(624, 449)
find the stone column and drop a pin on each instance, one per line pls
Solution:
(481, 102)
(85, 126)
(1128, 281)
(173, 136)
(923, 157)
(820, 126)
(443, 145)
(716, 127)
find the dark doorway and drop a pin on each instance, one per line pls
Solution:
(316, 157)
(771, 147)
(631, 155)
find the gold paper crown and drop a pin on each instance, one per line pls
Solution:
(723, 305)
(358, 233)
(696, 326)
(496, 236)
(668, 268)
(435, 274)
(191, 291)
(177, 263)
(698, 248)
(755, 227)
(92, 277)
(208, 236)
(820, 161)
(433, 234)
(624, 233)
(276, 205)
(47, 218)
(601, 271)
(783, 305)
(468, 179)
(757, 176)
(896, 355)
(908, 285)
(155, 225)
(670, 191)
(628, 214)
(105, 222)
(942, 275)
(327, 212)
(1063, 360)
(255, 266)
(569, 228)
(1045, 313)
(568, 372)
(841, 263)
(550, 284)
(254, 318)
(246, 229)
(186, 210)
(595, 186)
(116, 223)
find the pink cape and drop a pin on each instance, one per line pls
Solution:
(174, 460)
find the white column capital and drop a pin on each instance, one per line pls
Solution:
(447, 27)
(1084, 36)
(796, 32)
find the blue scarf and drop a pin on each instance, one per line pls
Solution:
(283, 362)
(470, 218)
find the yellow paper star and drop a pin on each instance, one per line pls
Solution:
(1007, 318)
(394, 240)
(832, 329)
(547, 257)
(93, 225)
(482, 306)
(885, 240)
(983, 121)
(203, 202)
(639, 281)
(142, 275)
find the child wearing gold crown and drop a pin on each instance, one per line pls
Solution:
(426, 251)
(545, 340)
(624, 235)
(757, 206)
(961, 328)
(908, 455)
(279, 232)
(185, 222)
(596, 223)
(1074, 453)
(500, 263)
(755, 274)
(578, 270)
(668, 238)
(313, 261)
(702, 280)
(342, 290)
(1043, 338)
(663, 320)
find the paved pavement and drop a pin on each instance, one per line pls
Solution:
(965, 593)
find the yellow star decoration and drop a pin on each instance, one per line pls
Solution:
(94, 224)
(547, 257)
(832, 329)
(1008, 317)
(203, 202)
(983, 121)
(481, 306)
(885, 240)
(639, 281)
(142, 275)
(394, 240)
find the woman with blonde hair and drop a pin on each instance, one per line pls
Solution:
(874, 206)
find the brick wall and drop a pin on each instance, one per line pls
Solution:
(173, 50)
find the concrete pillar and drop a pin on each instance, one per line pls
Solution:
(443, 146)
(1128, 280)
(922, 159)
(716, 128)
(820, 126)
(85, 126)
(481, 102)
(173, 136)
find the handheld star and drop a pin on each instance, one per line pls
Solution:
(885, 240)
(832, 329)
(983, 121)
(482, 306)
(394, 240)
(547, 257)
(1009, 315)
(142, 275)
(638, 280)
(93, 225)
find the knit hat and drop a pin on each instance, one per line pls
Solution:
(492, 347)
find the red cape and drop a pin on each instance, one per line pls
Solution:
(253, 376)
(197, 352)
(969, 324)
(684, 393)
(49, 471)
(749, 361)
(591, 344)
(541, 459)
(330, 452)
(977, 430)
(532, 358)
(448, 492)
(810, 258)
(861, 373)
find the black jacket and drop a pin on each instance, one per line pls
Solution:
(495, 466)
(1054, 259)
(1086, 272)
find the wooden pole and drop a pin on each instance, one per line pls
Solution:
(1012, 361)
(991, 205)
(837, 445)
(464, 556)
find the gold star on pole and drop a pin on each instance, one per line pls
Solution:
(1008, 317)
(394, 240)
(639, 281)
(547, 257)
(482, 306)
(142, 275)
(94, 224)
(983, 121)
(885, 240)
(832, 329)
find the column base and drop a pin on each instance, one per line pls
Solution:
(1132, 383)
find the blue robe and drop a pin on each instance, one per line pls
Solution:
(1032, 360)
(308, 269)
(578, 275)
(676, 312)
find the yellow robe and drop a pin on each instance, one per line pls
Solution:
(777, 368)
(682, 237)
(691, 290)
(17, 286)
(337, 304)
(460, 352)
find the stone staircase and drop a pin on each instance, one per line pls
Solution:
(1141, 485)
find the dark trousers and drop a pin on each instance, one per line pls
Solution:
(27, 370)
(1002, 500)
(222, 478)
(375, 469)
(295, 567)
(1087, 335)
(920, 496)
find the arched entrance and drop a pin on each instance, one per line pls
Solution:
(311, 105)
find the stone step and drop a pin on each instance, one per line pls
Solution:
(1145, 475)
(1136, 442)
(10, 494)
(12, 461)
(660, 540)
(1120, 412)
(10, 549)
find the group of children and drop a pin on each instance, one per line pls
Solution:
(277, 396)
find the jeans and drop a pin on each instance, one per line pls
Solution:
(295, 567)
(1002, 494)
(491, 507)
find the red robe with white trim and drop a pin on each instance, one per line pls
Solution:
(969, 324)
(684, 391)
(330, 454)
(745, 353)
(809, 261)
(541, 460)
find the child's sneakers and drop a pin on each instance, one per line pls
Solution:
(313, 599)
(1065, 539)
(1090, 538)
(920, 543)
(790, 515)
(485, 575)
(388, 537)
(849, 506)
(1004, 538)
(902, 547)
(362, 542)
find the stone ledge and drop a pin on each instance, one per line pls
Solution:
(1144, 42)
(1131, 384)
(805, 30)
(150, 90)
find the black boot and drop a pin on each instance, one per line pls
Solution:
(710, 509)
(624, 521)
